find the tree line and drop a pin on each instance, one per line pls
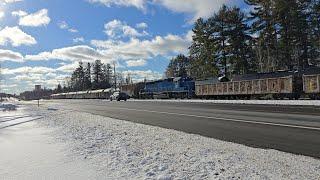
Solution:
(274, 35)
(93, 76)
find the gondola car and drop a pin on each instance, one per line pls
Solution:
(277, 85)
(311, 83)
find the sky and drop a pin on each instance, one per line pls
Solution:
(42, 41)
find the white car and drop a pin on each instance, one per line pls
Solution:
(119, 96)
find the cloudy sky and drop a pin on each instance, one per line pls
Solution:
(42, 41)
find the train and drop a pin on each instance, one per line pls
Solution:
(179, 87)
(92, 94)
(276, 85)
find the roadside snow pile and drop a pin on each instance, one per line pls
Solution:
(7, 107)
(259, 102)
(125, 150)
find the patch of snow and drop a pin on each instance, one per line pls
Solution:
(259, 102)
(126, 150)
(29, 152)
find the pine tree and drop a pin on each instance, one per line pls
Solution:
(59, 88)
(240, 50)
(264, 29)
(97, 74)
(292, 20)
(202, 60)
(220, 25)
(314, 36)
(108, 74)
(77, 78)
(87, 77)
(178, 66)
(105, 80)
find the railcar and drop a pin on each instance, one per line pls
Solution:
(311, 83)
(180, 87)
(277, 85)
(94, 94)
(132, 90)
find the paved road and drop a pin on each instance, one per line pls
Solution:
(292, 129)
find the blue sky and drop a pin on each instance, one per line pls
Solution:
(42, 41)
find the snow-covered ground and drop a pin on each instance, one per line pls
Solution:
(29, 151)
(124, 150)
(261, 102)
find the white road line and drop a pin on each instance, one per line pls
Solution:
(225, 119)
(21, 122)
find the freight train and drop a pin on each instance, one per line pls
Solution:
(276, 85)
(94, 94)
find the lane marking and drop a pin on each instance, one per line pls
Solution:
(224, 119)
(13, 118)
(23, 122)
(241, 110)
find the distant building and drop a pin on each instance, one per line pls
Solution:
(37, 87)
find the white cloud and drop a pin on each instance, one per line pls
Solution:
(139, 76)
(25, 77)
(140, 4)
(1, 14)
(73, 53)
(194, 8)
(39, 18)
(73, 30)
(27, 70)
(15, 36)
(142, 25)
(65, 25)
(8, 86)
(117, 29)
(10, 1)
(144, 49)
(78, 40)
(19, 13)
(136, 63)
(8, 55)
(68, 68)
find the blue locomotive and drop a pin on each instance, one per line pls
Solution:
(179, 87)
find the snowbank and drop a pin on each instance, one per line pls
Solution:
(260, 102)
(125, 150)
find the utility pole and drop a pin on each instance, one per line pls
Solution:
(115, 75)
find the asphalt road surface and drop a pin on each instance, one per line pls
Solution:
(293, 129)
